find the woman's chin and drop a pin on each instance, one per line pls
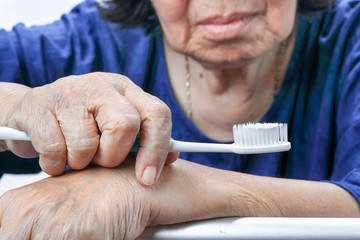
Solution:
(235, 55)
(224, 63)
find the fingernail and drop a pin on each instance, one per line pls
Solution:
(149, 175)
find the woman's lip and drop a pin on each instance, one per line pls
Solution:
(225, 28)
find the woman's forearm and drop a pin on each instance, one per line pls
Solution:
(294, 198)
(199, 192)
(248, 195)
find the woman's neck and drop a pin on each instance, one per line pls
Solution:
(224, 97)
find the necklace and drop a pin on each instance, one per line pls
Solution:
(188, 88)
(277, 77)
(280, 61)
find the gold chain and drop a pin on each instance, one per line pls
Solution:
(280, 61)
(188, 88)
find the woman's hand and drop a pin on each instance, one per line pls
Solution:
(93, 118)
(91, 204)
(102, 203)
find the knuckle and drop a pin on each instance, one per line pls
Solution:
(159, 109)
(132, 124)
(65, 81)
(51, 149)
(36, 97)
(63, 85)
(129, 125)
(112, 79)
(123, 79)
(83, 145)
(72, 89)
(81, 152)
(52, 157)
(160, 149)
(94, 78)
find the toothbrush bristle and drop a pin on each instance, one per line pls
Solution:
(260, 134)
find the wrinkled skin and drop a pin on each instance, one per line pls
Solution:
(89, 118)
(182, 24)
(100, 203)
(74, 206)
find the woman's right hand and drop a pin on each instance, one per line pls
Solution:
(93, 118)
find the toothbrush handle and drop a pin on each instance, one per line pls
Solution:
(7, 133)
(180, 146)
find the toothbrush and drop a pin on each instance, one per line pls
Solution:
(249, 138)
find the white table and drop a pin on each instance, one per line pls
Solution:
(260, 228)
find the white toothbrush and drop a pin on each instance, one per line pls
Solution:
(249, 138)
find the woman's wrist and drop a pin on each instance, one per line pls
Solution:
(235, 194)
(187, 191)
(249, 197)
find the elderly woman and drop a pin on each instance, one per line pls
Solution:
(189, 70)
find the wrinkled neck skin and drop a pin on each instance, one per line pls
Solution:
(224, 96)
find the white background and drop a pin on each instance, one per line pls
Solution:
(30, 12)
(33, 12)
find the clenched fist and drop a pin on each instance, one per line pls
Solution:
(90, 118)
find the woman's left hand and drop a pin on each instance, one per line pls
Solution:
(95, 203)
(102, 203)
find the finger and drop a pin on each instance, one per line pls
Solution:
(172, 157)
(49, 142)
(40, 122)
(153, 172)
(81, 135)
(154, 138)
(155, 127)
(22, 149)
(119, 124)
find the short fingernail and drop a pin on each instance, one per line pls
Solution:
(149, 175)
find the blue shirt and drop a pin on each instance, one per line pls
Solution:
(319, 97)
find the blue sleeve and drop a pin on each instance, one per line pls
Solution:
(346, 169)
(41, 54)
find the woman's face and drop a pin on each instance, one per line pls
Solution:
(225, 33)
